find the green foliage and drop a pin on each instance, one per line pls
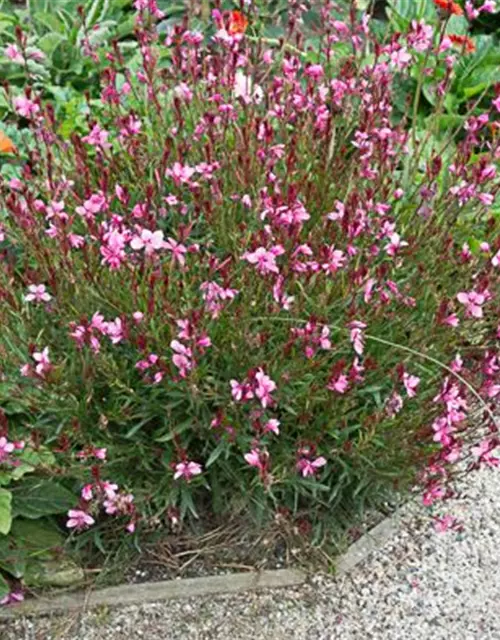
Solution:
(57, 30)
(28, 536)
(473, 78)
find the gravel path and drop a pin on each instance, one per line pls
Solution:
(420, 585)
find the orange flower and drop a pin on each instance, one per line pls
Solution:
(463, 42)
(237, 23)
(450, 7)
(6, 144)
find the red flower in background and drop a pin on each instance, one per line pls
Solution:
(238, 23)
(463, 41)
(450, 7)
(6, 144)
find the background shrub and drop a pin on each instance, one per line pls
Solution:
(249, 279)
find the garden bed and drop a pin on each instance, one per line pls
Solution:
(243, 272)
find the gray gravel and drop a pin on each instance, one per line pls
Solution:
(420, 585)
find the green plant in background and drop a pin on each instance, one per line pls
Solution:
(473, 77)
(31, 544)
(59, 30)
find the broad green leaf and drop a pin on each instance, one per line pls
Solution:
(21, 470)
(35, 535)
(4, 587)
(458, 25)
(467, 65)
(12, 557)
(49, 42)
(35, 498)
(402, 12)
(63, 55)
(49, 21)
(5, 511)
(58, 572)
(480, 79)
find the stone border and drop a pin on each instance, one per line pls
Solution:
(142, 593)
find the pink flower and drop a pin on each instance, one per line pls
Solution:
(148, 240)
(453, 320)
(267, 56)
(443, 523)
(42, 358)
(109, 489)
(119, 503)
(12, 598)
(484, 453)
(394, 404)
(6, 448)
(95, 204)
(12, 52)
(335, 260)
(113, 251)
(79, 520)
(215, 296)
(240, 390)
(26, 108)
(315, 71)
(340, 384)
(87, 493)
(178, 250)
(257, 459)
(395, 244)
(457, 363)
(130, 527)
(245, 89)
(272, 426)
(265, 386)
(495, 261)
(368, 289)
(400, 58)
(37, 293)
(180, 174)
(356, 336)
(264, 259)
(114, 330)
(411, 383)
(183, 92)
(435, 492)
(308, 467)
(472, 302)
(187, 470)
(490, 6)
(182, 357)
(100, 454)
(76, 241)
(98, 138)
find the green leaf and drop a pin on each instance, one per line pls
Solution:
(21, 470)
(49, 42)
(4, 587)
(62, 55)
(36, 535)
(457, 25)
(35, 498)
(12, 557)
(216, 453)
(49, 21)
(402, 12)
(5, 511)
